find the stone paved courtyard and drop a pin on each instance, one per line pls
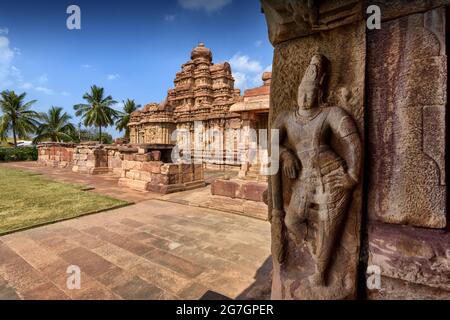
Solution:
(151, 250)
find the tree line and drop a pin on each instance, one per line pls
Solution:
(18, 118)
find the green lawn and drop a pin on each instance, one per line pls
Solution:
(27, 200)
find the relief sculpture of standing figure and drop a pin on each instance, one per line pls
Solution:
(323, 174)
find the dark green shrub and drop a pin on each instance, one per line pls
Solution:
(18, 154)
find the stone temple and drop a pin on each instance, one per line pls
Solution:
(204, 97)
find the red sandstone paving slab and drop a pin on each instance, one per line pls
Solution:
(194, 292)
(193, 242)
(175, 263)
(59, 244)
(8, 256)
(118, 256)
(227, 283)
(89, 262)
(22, 276)
(7, 292)
(203, 236)
(46, 291)
(87, 283)
(168, 235)
(83, 239)
(36, 255)
(54, 269)
(115, 277)
(137, 289)
(209, 261)
(162, 277)
(161, 243)
(132, 223)
(121, 229)
(119, 240)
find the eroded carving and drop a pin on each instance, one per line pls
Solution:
(289, 19)
(320, 153)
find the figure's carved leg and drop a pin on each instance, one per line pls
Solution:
(296, 214)
(327, 237)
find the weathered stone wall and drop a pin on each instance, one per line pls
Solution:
(55, 154)
(115, 157)
(92, 159)
(141, 173)
(406, 129)
(239, 188)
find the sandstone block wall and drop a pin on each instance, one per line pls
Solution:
(240, 189)
(115, 157)
(58, 155)
(92, 159)
(138, 167)
(140, 172)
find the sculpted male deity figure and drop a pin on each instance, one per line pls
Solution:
(320, 152)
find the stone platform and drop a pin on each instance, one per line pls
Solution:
(239, 189)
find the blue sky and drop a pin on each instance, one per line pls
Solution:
(132, 48)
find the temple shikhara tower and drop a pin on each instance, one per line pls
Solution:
(200, 108)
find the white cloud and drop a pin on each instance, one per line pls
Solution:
(242, 63)
(6, 58)
(247, 72)
(208, 5)
(258, 43)
(43, 79)
(112, 76)
(26, 85)
(86, 66)
(10, 75)
(16, 74)
(240, 80)
(44, 90)
(65, 93)
(170, 17)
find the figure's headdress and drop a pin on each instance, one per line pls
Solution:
(315, 73)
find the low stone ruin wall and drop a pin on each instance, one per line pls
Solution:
(246, 197)
(138, 167)
(115, 157)
(156, 176)
(58, 155)
(240, 189)
(92, 159)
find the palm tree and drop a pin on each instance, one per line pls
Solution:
(55, 126)
(17, 116)
(97, 112)
(129, 107)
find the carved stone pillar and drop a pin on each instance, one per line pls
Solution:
(306, 235)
